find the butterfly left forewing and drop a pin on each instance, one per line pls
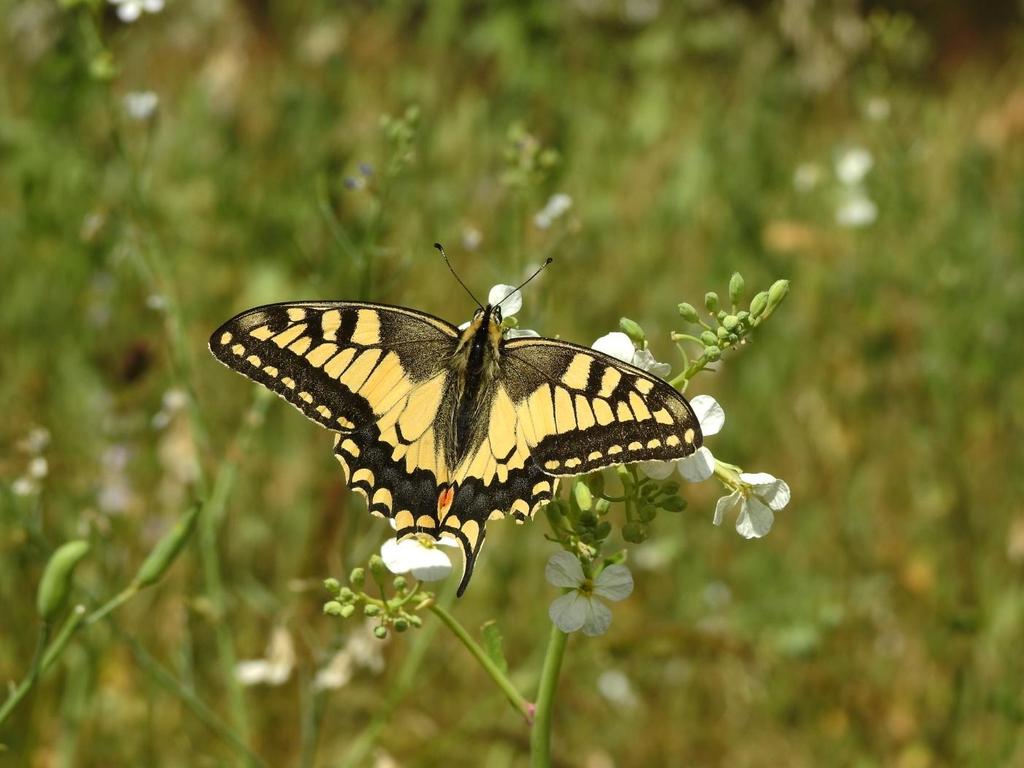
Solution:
(579, 410)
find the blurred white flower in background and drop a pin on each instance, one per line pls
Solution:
(471, 237)
(856, 210)
(556, 207)
(275, 668)
(362, 650)
(853, 165)
(806, 177)
(130, 10)
(140, 105)
(617, 689)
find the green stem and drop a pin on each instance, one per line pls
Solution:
(540, 736)
(500, 678)
(187, 697)
(43, 660)
(112, 604)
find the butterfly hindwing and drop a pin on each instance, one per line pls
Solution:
(579, 410)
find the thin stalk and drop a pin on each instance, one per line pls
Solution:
(43, 660)
(202, 712)
(515, 698)
(540, 736)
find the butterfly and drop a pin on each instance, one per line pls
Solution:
(443, 429)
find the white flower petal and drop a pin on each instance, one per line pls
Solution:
(698, 466)
(710, 414)
(755, 519)
(856, 210)
(768, 488)
(558, 204)
(425, 563)
(726, 505)
(563, 570)
(616, 344)
(336, 674)
(252, 671)
(599, 618)
(644, 360)
(569, 612)
(513, 299)
(614, 583)
(521, 333)
(657, 470)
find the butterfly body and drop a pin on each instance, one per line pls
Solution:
(443, 429)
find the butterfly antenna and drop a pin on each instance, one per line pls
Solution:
(539, 270)
(441, 249)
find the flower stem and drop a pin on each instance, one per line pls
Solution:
(540, 736)
(515, 698)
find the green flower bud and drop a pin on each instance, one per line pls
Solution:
(674, 504)
(581, 493)
(371, 609)
(670, 488)
(357, 578)
(595, 482)
(55, 584)
(415, 620)
(722, 332)
(334, 608)
(166, 550)
(588, 519)
(333, 586)
(347, 610)
(758, 303)
(601, 506)
(713, 354)
(400, 583)
(708, 339)
(743, 316)
(632, 329)
(346, 595)
(777, 293)
(711, 301)
(732, 338)
(735, 287)
(730, 322)
(401, 624)
(647, 513)
(634, 533)
(688, 313)
(377, 567)
(602, 529)
(380, 632)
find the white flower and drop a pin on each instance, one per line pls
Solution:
(130, 10)
(513, 299)
(877, 109)
(621, 347)
(38, 468)
(755, 504)
(140, 105)
(418, 555)
(276, 668)
(699, 465)
(853, 165)
(580, 609)
(471, 238)
(361, 650)
(616, 687)
(556, 207)
(856, 210)
(806, 177)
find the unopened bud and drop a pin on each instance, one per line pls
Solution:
(713, 354)
(400, 583)
(371, 609)
(708, 339)
(730, 322)
(377, 567)
(777, 293)
(334, 608)
(357, 578)
(380, 632)
(401, 624)
(632, 329)
(711, 301)
(735, 287)
(581, 493)
(758, 303)
(688, 313)
(332, 585)
(634, 533)
(167, 549)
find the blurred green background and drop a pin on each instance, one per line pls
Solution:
(873, 154)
